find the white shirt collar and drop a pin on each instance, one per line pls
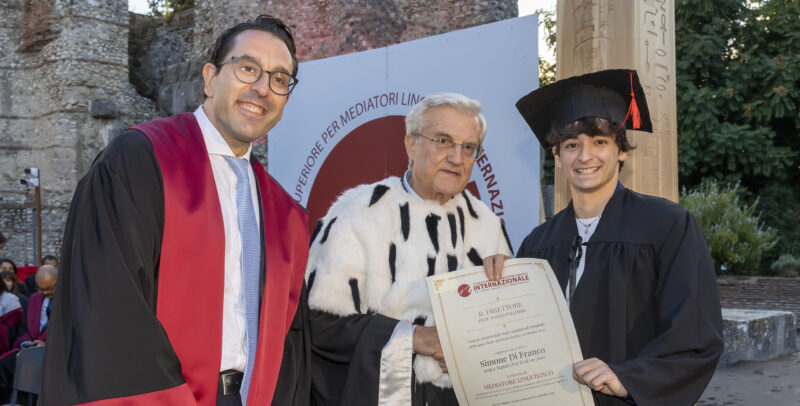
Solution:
(215, 144)
(408, 187)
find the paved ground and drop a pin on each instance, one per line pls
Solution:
(756, 383)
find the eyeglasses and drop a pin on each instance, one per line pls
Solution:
(469, 150)
(249, 71)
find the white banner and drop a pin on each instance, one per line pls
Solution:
(343, 124)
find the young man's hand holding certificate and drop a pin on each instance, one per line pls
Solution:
(509, 342)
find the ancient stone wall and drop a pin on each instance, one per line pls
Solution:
(322, 28)
(64, 91)
(741, 292)
(65, 84)
(325, 28)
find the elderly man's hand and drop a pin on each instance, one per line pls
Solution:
(493, 266)
(598, 376)
(426, 342)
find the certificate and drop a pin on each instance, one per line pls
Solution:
(509, 342)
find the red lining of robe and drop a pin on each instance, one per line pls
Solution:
(193, 250)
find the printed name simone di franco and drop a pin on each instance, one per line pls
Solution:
(521, 379)
(519, 355)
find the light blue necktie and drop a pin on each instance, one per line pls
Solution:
(251, 262)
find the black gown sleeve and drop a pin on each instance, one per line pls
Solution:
(675, 367)
(104, 340)
(294, 380)
(346, 357)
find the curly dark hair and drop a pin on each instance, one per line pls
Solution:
(266, 23)
(591, 126)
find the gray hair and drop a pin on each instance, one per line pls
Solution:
(414, 119)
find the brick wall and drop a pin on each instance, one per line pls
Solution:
(763, 293)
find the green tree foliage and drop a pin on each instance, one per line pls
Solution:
(165, 8)
(786, 265)
(734, 235)
(547, 70)
(547, 75)
(738, 87)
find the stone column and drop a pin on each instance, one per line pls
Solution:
(593, 35)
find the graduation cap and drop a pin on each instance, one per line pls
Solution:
(613, 94)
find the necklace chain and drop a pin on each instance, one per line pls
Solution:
(586, 226)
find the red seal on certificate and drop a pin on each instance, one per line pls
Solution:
(464, 290)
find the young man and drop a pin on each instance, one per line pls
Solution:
(183, 260)
(635, 269)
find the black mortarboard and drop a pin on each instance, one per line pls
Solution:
(613, 94)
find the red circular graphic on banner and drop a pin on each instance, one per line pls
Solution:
(464, 290)
(371, 152)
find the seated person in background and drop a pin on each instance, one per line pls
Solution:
(39, 308)
(35, 327)
(30, 281)
(14, 286)
(3, 241)
(11, 313)
(372, 327)
(9, 265)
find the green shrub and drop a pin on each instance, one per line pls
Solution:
(733, 231)
(780, 209)
(786, 265)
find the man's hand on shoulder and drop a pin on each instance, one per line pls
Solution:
(598, 376)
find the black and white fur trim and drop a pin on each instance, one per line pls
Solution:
(379, 243)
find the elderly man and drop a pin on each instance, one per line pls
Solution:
(30, 281)
(370, 255)
(183, 260)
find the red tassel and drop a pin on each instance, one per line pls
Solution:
(633, 110)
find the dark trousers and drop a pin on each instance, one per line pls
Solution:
(7, 365)
(233, 399)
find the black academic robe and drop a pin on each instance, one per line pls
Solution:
(647, 303)
(108, 342)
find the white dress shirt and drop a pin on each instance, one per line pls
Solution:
(234, 345)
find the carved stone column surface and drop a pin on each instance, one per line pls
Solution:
(593, 35)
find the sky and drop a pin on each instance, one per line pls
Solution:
(526, 7)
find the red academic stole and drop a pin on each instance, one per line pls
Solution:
(191, 275)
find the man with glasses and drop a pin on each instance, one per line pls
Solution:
(635, 269)
(183, 260)
(372, 326)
